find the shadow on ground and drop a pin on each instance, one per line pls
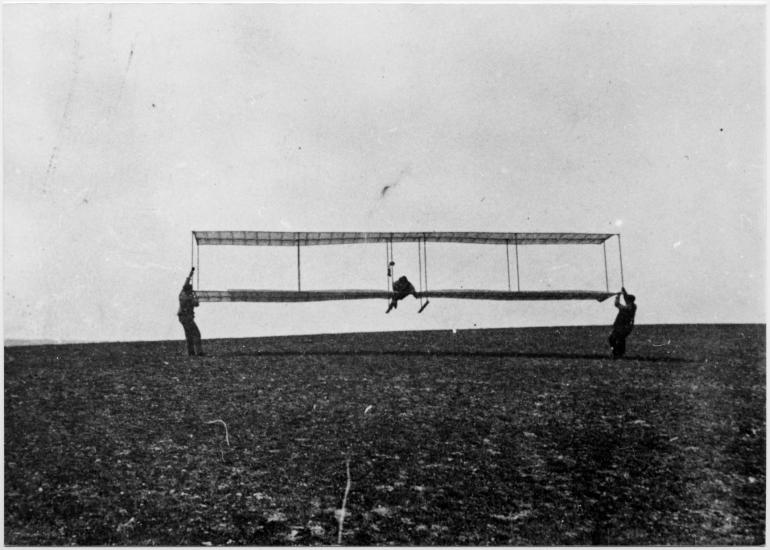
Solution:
(443, 353)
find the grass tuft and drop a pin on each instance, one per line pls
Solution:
(343, 510)
(227, 435)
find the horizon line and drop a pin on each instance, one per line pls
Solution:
(31, 342)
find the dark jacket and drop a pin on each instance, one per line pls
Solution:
(187, 303)
(626, 315)
(403, 286)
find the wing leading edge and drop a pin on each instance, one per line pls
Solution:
(309, 238)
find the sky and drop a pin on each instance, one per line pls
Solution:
(125, 127)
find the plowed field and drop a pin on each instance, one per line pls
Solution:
(484, 437)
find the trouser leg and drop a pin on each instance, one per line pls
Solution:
(621, 347)
(189, 336)
(617, 341)
(196, 336)
(613, 340)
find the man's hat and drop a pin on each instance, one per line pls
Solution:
(631, 298)
(187, 287)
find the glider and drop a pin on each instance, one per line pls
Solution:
(305, 238)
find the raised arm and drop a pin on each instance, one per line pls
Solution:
(188, 280)
(628, 299)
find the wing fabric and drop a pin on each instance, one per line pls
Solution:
(326, 295)
(309, 238)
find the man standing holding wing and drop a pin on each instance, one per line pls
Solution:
(188, 301)
(624, 323)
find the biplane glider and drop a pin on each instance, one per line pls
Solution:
(302, 238)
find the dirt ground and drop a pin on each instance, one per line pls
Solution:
(483, 437)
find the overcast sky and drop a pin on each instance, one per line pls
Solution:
(128, 126)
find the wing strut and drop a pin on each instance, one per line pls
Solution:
(422, 258)
(195, 259)
(389, 264)
(516, 246)
(508, 261)
(620, 254)
(299, 281)
(192, 250)
(387, 268)
(606, 276)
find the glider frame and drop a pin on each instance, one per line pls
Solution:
(287, 238)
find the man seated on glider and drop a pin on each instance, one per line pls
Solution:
(188, 301)
(624, 323)
(401, 289)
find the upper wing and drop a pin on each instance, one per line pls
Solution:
(294, 238)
